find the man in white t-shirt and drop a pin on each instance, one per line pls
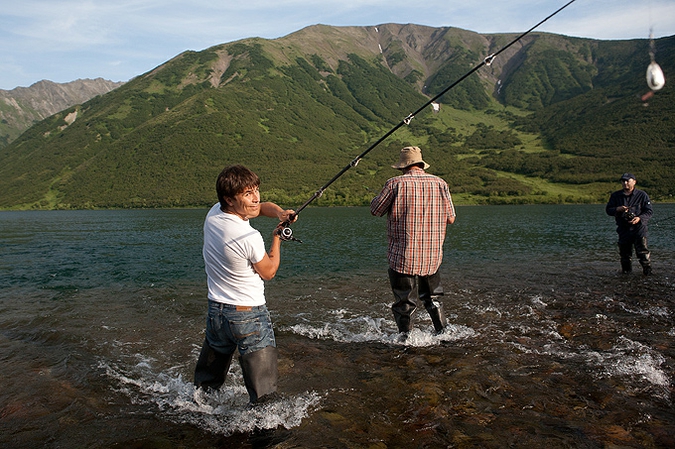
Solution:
(236, 266)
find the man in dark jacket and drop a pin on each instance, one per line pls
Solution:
(632, 209)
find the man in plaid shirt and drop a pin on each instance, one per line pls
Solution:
(419, 208)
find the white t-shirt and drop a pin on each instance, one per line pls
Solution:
(231, 247)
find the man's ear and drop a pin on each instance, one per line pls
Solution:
(228, 202)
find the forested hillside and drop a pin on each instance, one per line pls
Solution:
(553, 119)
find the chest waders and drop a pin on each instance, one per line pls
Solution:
(260, 373)
(259, 369)
(633, 237)
(212, 367)
(626, 246)
(408, 290)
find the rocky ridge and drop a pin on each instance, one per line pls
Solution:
(21, 107)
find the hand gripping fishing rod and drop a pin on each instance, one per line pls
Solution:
(287, 234)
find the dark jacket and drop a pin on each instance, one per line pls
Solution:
(639, 204)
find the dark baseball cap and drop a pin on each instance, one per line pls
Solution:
(627, 176)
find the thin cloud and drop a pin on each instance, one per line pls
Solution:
(62, 40)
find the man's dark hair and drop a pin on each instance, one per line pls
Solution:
(234, 180)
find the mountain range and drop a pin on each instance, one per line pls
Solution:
(22, 107)
(552, 119)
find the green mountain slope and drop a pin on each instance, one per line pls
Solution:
(533, 127)
(609, 129)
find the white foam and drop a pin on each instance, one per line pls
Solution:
(223, 412)
(367, 329)
(636, 362)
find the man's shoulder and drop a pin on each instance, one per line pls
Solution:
(217, 218)
(420, 175)
(640, 194)
(214, 209)
(436, 179)
(645, 196)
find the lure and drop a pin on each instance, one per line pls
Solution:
(655, 78)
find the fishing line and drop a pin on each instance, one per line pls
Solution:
(655, 77)
(658, 222)
(406, 121)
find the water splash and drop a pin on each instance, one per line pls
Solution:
(368, 329)
(636, 362)
(224, 412)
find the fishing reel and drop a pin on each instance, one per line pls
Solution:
(285, 233)
(628, 216)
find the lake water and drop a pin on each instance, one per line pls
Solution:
(102, 315)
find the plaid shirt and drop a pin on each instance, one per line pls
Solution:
(418, 206)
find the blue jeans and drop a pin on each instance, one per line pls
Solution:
(229, 328)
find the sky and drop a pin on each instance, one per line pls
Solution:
(66, 40)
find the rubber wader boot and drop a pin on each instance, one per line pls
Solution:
(403, 322)
(430, 290)
(625, 251)
(211, 367)
(405, 292)
(435, 310)
(260, 372)
(643, 256)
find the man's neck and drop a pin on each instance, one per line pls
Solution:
(414, 168)
(231, 211)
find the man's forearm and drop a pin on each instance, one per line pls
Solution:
(271, 210)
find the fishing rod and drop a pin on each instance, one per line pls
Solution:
(287, 234)
(658, 222)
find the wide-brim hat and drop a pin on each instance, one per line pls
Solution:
(410, 156)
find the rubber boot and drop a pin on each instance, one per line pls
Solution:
(643, 255)
(403, 322)
(625, 251)
(260, 373)
(435, 310)
(404, 288)
(212, 367)
(430, 289)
